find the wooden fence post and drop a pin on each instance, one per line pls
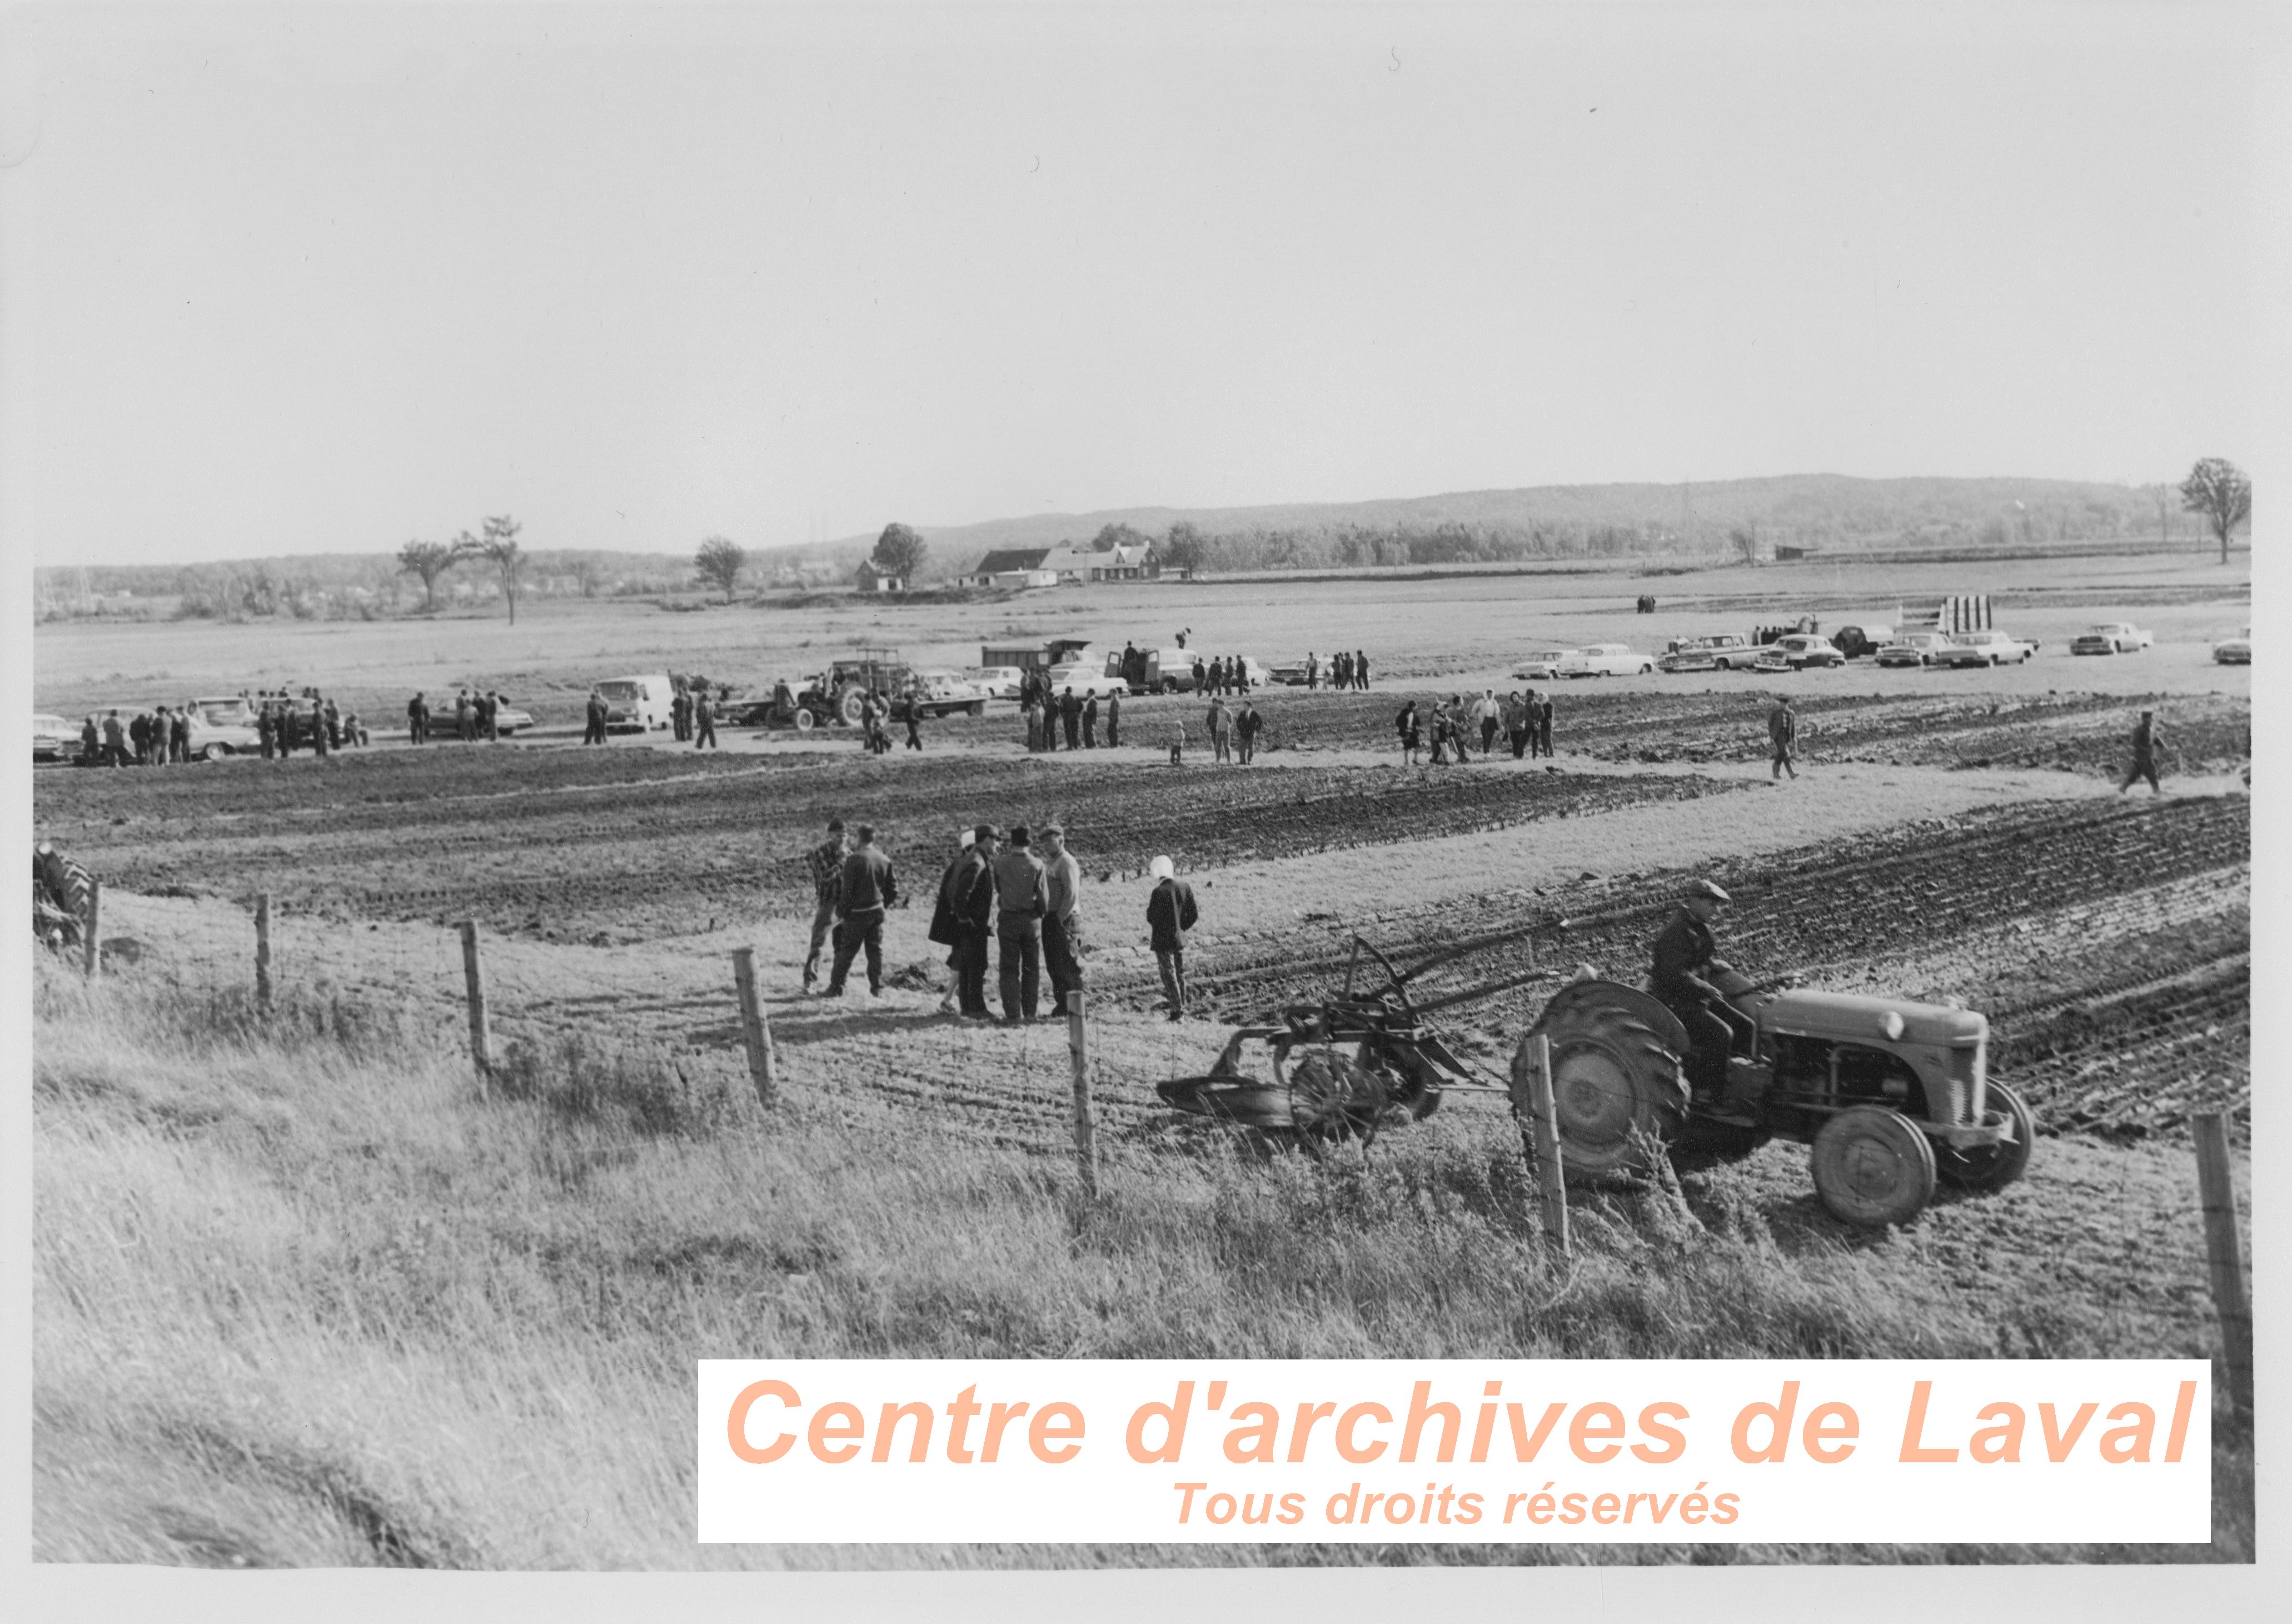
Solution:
(1078, 1051)
(91, 950)
(262, 949)
(473, 975)
(1544, 1122)
(753, 1030)
(2224, 1251)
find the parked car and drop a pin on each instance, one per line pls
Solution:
(1605, 659)
(1089, 676)
(1797, 651)
(1984, 648)
(2235, 650)
(638, 704)
(1913, 649)
(54, 739)
(1720, 652)
(1867, 637)
(1541, 665)
(1291, 676)
(2111, 637)
(222, 727)
(995, 682)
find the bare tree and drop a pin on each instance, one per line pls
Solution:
(588, 574)
(719, 562)
(899, 551)
(2217, 488)
(1746, 537)
(429, 559)
(499, 547)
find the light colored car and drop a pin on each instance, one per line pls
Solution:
(1984, 648)
(1913, 649)
(2235, 650)
(2111, 637)
(223, 727)
(1797, 651)
(1087, 677)
(638, 704)
(995, 682)
(54, 739)
(1605, 659)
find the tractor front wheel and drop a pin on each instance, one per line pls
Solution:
(1985, 1168)
(1873, 1166)
(804, 719)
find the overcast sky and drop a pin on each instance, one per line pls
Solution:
(322, 280)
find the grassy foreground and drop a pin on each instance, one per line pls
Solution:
(304, 1296)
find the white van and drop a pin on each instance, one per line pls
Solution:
(638, 704)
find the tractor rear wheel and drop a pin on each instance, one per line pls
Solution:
(1873, 1166)
(848, 703)
(1613, 1073)
(1992, 1166)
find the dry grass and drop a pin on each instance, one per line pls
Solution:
(304, 1296)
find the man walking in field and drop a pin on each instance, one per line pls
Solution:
(1114, 719)
(1221, 732)
(594, 732)
(1544, 726)
(1062, 917)
(1020, 900)
(704, 722)
(1361, 670)
(1090, 722)
(1782, 733)
(417, 718)
(1245, 732)
(1412, 739)
(1170, 914)
(826, 863)
(465, 720)
(864, 892)
(679, 713)
(2144, 755)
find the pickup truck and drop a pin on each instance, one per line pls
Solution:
(1721, 652)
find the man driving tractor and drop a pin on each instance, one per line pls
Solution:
(1684, 979)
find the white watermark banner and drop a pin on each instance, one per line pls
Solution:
(1379, 1451)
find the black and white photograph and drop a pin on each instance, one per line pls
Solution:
(1000, 682)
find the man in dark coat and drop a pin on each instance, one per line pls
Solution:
(1544, 726)
(1090, 722)
(91, 744)
(704, 722)
(319, 743)
(1113, 720)
(1170, 914)
(1245, 732)
(1782, 733)
(594, 732)
(1071, 713)
(866, 891)
(180, 733)
(417, 720)
(1361, 670)
(139, 737)
(465, 718)
(1021, 900)
(973, 904)
(114, 740)
(2144, 755)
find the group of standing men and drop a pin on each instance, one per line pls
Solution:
(1049, 715)
(149, 739)
(1525, 720)
(1022, 892)
(1234, 731)
(1342, 671)
(473, 715)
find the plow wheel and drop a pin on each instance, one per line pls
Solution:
(1985, 1168)
(1873, 1166)
(1615, 1083)
(1333, 1096)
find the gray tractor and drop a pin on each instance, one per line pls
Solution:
(1892, 1095)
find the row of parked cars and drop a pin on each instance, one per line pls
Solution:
(1805, 650)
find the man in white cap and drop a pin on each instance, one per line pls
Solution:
(1170, 914)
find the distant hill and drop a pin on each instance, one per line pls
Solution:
(1814, 511)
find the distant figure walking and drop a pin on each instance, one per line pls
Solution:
(417, 720)
(1170, 914)
(1221, 731)
(680, 714)
(1782, 733)
(2144, 755)
(1485, 709)
(594, 732)
(1114, 719)
(1411, 740)
(1090, 722)
(704, 722)
(1361, 670)
(1544, 726)
(1245, 732)
(915, 720)
(1312, 672)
